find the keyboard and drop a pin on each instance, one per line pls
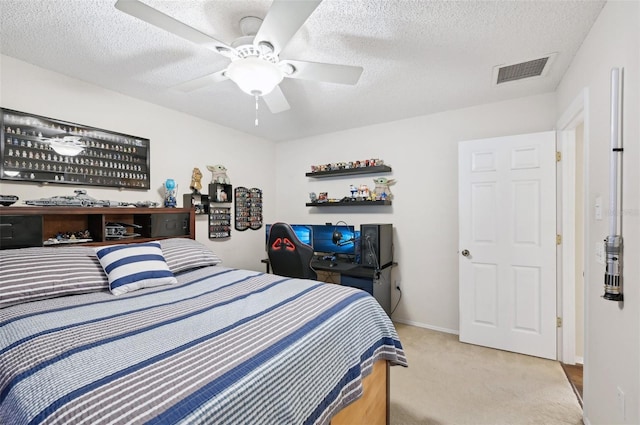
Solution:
(337, 265)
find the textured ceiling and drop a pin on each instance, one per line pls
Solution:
(419, 57)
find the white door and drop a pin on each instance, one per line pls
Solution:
(507, 231)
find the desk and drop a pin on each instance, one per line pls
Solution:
(375, 282)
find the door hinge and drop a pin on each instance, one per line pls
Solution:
(558, 156)
(558, 239)
(559, 322)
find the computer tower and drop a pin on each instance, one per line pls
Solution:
(376, 245)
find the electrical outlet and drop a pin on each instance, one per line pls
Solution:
(600, 252)
(597, 208)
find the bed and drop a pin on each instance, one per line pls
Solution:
(185, 340)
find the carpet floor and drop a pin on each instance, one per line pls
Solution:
(448, 382)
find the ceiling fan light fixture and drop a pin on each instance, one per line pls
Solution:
(287, 68)
(254, 76)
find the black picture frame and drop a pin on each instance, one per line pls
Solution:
(109, 159)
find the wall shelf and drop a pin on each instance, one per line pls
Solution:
(351, 171)
(348, 203)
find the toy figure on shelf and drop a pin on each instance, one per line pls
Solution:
(353, 191)
(221, 195)
(196, 181)
(219, 174)
(170, 190)
(363, 192)
(382, 188)
(313, 197)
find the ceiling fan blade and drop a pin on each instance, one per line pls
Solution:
(155, 17)
(201, 82)
(276, 102)
(326, 72)
(283, 20)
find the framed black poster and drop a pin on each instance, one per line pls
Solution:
(46, 150)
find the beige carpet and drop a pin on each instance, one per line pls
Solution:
(448, 382)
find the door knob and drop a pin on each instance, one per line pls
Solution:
(465, 253)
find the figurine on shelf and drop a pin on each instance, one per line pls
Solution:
(313, 197)
(353, 191)
(6, 200)
(196, 181)
(363, 192)
(382, 188)
(219, 174)
(221, 195)
(170, 190)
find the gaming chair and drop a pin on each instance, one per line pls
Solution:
(287, 254)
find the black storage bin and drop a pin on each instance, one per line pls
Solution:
(20, 231)
(169, 225)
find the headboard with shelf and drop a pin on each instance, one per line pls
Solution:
(22, 227)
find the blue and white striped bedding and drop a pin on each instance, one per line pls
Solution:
(223, 346)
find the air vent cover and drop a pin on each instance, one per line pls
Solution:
(518, 71)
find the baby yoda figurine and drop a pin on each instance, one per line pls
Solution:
(382, 188)
(219, 174)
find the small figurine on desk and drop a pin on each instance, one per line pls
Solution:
(219, 174)
(196, 181)
(170, 189)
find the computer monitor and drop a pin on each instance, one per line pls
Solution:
(335, 239)
(304, 232)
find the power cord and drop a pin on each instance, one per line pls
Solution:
(399, 298)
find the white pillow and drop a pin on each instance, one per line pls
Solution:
(184, 254)
(134, 266)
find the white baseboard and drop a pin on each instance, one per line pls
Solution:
(580, 360)
(424, 325)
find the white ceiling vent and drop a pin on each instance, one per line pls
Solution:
(517, 71)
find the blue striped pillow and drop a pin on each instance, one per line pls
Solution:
(134, 266)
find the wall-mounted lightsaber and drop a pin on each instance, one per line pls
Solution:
(613, 242)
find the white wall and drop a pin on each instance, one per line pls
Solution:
(179, 142)
(612, 330)
(423, 154)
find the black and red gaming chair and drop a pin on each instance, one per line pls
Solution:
(287, 254)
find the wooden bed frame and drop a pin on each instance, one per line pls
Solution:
(373, 407)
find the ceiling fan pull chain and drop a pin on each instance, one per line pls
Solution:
(256, 110)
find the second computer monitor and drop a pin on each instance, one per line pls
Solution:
(332, 239)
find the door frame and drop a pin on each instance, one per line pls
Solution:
(577, 113)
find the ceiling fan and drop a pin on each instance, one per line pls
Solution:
(255, 63)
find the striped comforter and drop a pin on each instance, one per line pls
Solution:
(223, 346)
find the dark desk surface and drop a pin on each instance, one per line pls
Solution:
(340, 266)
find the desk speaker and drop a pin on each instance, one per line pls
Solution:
(376, 245)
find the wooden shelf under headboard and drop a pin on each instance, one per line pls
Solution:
(22, 227)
